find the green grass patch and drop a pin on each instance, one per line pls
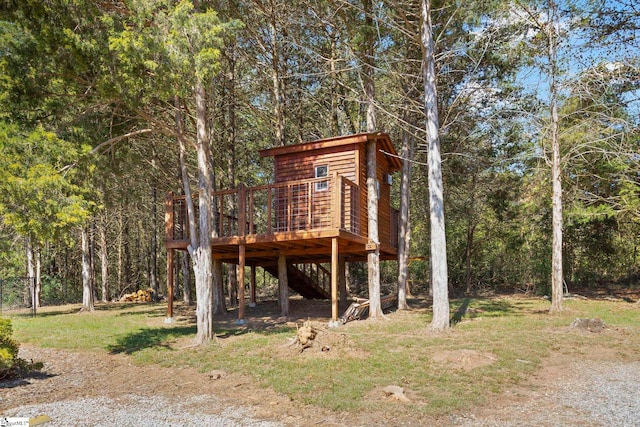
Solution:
(516, 334)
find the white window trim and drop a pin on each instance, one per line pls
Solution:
(321, 185)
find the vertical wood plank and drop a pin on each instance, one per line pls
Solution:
(334, 279)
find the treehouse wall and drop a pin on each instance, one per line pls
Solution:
(301, 165)
(345, 156)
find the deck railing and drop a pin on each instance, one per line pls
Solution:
(305, 205)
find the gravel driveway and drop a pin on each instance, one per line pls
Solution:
(589, 394)
(81, 390)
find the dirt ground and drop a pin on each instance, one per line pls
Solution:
(70, 375)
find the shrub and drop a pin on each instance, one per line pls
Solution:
(10, 364)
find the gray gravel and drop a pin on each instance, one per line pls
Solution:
(138, 411)
(592, 394)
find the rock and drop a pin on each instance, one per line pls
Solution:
(396, 393)
(217, 374)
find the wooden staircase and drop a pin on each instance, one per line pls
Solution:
(311, 280)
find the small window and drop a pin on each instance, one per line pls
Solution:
(322, 171)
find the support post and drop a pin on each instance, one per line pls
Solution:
(242, 211)
(334, 279)
(170, 292)
(241, 264)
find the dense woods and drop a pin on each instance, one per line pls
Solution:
(106, 106)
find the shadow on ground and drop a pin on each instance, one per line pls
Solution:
(149, 338)
(24, 379)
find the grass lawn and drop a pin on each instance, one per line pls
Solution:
(495, 343)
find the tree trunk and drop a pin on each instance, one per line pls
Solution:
(373, 257)
(438, 245)
(28, 295)
(283, 286)
(231, 162)
(556, 170)
(404, 228)
(126, 252)
(92, 257)
(335, 121)
(153, 277)
(232, 284)
(104, 260)
(468, 253)
(201, 252)
(87, 291)
(278, 89)
(119, 272)
(219, 305)
(37, 282)
(187, 298)
(472, 223)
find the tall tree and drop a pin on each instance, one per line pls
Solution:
(368, 81)
(557, 277)
(438, 252)
(180, 44)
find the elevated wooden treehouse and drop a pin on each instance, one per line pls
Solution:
(312, 219)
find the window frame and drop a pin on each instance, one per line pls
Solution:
(321, 185)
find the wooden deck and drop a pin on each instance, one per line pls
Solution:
(297, 218)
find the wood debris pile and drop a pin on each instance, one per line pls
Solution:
(143, 295)
(359, 309)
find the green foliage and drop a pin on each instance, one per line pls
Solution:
(10, 364)
(163, 47)
(39, 197)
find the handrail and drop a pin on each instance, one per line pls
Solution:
(299, 205)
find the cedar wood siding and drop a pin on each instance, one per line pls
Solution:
(348, 160)
(301, 165)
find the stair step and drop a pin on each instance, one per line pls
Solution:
(300, 282)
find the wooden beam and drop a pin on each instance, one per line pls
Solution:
(241, 264)
(334, 279)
